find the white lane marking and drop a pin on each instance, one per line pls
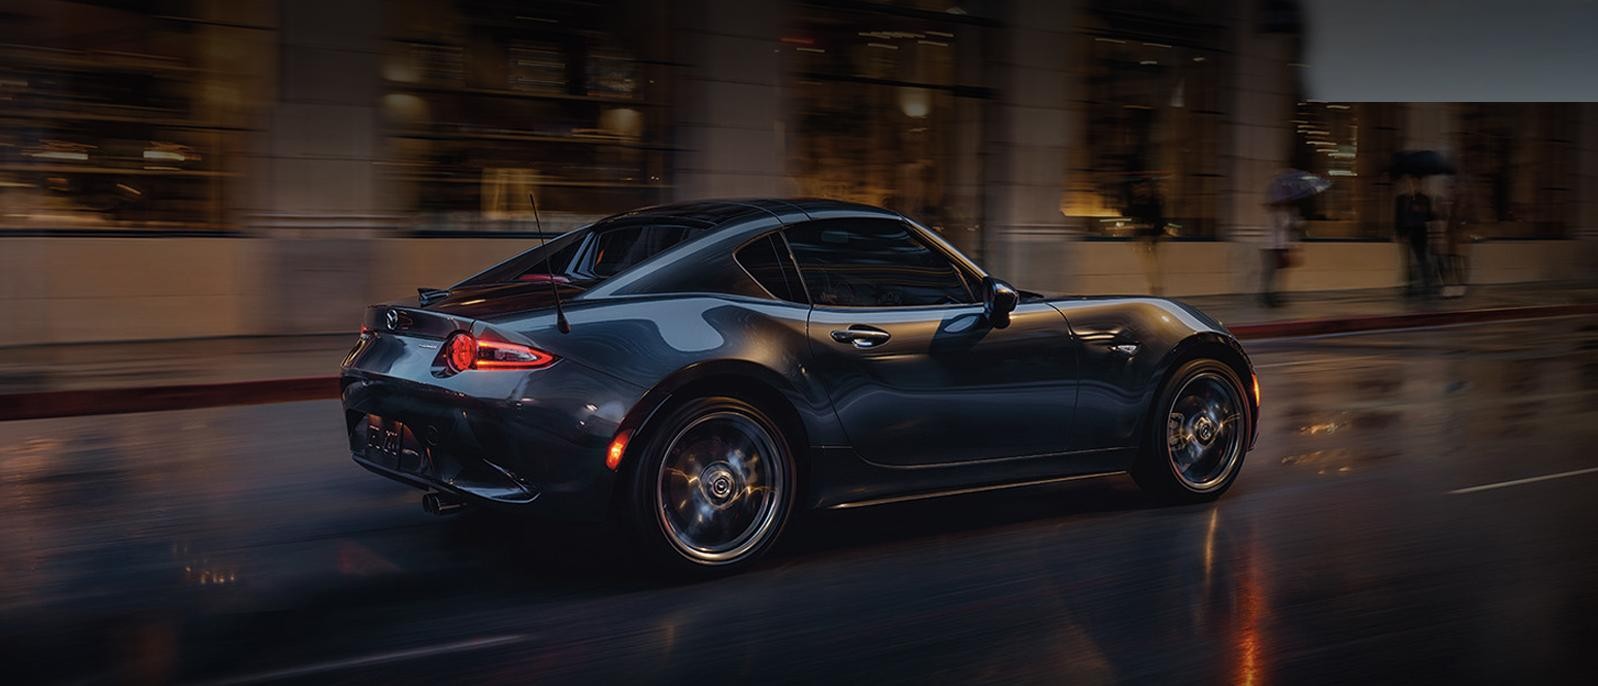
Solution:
(1409, 329)
(371, 660)
(1527, 480)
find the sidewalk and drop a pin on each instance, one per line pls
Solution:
(1322, 312)
(102, 378)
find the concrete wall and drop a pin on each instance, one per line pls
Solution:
(104, 289)
(1035, 119)
(99, 289)
(1106, 267)
(729, 101)
(94, 289)
(1526, 261)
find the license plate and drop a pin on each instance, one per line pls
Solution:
(391, 443)
(384, 437)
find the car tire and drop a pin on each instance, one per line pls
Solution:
(1196, 434)
(711, 486)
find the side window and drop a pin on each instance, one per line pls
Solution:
(766, 259)
(873, 263)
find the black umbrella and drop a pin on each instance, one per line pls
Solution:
(1293, 185)
(1420, 163)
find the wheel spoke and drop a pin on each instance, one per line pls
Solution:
(719, 487)
(1204, 442)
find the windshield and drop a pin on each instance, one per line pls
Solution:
(591, 254)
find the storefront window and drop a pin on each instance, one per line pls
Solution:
(1516, 170)
(487, 102)
(1351, 145)
(114, 120)
(888, 110)
(1154, 125)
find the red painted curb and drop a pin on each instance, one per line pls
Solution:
(47, 404)
(44, 404)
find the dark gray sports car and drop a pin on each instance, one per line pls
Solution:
(700, 370)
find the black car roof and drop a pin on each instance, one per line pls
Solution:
(689, 266)
(714, 213)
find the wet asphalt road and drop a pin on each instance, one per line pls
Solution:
(241, 545)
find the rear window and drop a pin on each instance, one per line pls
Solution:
(590, 255)
(618, 249)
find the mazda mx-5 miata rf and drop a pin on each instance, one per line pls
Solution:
(702, 370)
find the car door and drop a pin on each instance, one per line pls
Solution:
(916, 373)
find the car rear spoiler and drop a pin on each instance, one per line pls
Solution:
(428, 296)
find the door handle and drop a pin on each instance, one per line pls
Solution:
(861, 336)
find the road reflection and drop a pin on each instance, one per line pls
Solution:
(198, 545)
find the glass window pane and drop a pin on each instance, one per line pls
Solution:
(486, 103)
(1352, 145)
(122, 118)
(622, 248)
(1516, 170)
(766, 260)
(589, 255)
(866, 263)
(1153, 135)
(889, 110)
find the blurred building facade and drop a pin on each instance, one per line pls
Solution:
(178, 168)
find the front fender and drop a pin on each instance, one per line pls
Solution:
(1220, 346)
(1116, 388)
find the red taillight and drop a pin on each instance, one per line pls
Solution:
(493, 355)
(463, 352)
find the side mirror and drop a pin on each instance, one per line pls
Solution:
(998, 301)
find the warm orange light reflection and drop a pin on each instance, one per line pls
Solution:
(618, 448)
(1256, 379)
(1252, 610)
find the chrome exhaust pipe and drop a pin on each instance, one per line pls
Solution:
(441, 503)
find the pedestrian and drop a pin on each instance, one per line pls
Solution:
(1147, 213)
(1456, 239)
(1412, 211)
(1277, 253)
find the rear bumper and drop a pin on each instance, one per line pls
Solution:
(538, 448)
(473, 492)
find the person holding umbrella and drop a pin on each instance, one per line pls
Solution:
(1282, 197)
(1412, 213)
(1412, 209)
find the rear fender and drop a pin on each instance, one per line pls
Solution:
(808, 421)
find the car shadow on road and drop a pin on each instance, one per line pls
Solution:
(824, 532)
(552, 557)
